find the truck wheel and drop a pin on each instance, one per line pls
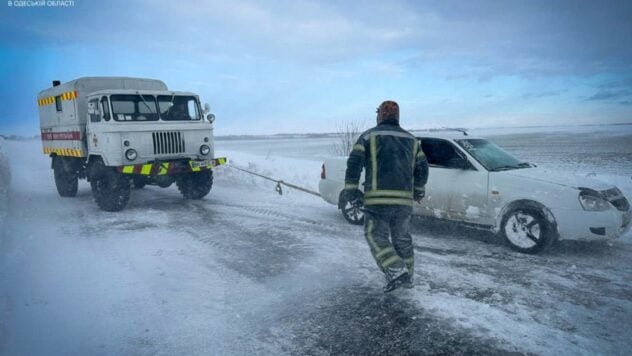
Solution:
(139, 182)
(526, 230)
(66, 181)
(110, 189)
(195, 185)
(351, 211)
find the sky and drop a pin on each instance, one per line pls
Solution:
(293, 66)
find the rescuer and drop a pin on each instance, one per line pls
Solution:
(396, 172)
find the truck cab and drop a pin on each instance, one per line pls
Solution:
(120, 133)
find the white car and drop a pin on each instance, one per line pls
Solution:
(475, 182)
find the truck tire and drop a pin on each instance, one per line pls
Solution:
(195, 185)
(526, 230)
(139, 182)
(110, 189)
(66, 181)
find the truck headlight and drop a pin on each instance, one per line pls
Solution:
(131, 154)
(592, 201)
(204, 150)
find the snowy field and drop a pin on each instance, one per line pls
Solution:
(247, 271)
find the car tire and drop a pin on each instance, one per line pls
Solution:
(353, 213)
(67, 182)
(527, 230)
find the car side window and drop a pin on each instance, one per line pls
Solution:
(441, 154)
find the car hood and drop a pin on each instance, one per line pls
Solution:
(559, 178)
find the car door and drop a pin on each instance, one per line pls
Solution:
(456, 187)
(435, 203)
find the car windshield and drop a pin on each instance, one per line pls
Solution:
(134, 107)
(178, 108)
(492, 157)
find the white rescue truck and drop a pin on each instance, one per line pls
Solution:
(119, 132)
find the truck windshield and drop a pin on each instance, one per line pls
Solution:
(178, 108)
(134, 108)
(492, 157)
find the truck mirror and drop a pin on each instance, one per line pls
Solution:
(207, 108)
(210, 118)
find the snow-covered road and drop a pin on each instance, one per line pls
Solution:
(246, 271)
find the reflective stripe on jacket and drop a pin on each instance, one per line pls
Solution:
(394, 165)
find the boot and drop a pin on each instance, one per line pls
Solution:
(396, 278)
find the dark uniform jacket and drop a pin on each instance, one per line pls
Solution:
(394, 165)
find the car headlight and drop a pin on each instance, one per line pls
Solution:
(204, 150)
(131, 154)
(592, 201)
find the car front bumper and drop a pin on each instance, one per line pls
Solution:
(592, 225)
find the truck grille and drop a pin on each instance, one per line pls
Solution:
(168, 142)
(616, 198)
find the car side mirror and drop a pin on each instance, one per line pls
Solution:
(210, 118)
(464, 164)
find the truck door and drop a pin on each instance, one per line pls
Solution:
(98, 115)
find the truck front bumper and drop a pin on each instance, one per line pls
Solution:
(159, 168)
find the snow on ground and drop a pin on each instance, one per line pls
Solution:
(247, 271)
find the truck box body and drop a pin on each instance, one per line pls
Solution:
(63, 111)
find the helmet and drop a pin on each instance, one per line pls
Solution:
(388, 110)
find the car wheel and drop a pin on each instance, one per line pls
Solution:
(352, 211)
(526, 230)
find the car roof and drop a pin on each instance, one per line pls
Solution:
(443, 134)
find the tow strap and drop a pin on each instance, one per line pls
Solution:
(278, 182)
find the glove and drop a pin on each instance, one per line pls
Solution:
(352, 195)
(418, 195)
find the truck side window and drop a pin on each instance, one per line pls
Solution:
(105, 106)
(58, 103)
(95, 116)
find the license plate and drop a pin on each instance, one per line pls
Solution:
(200, 164)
